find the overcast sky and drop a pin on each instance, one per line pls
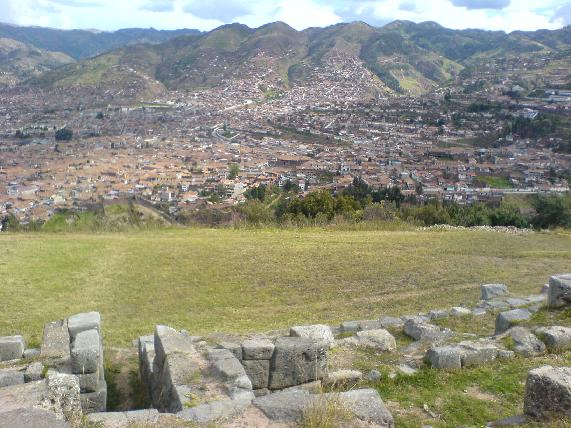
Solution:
(507, 15)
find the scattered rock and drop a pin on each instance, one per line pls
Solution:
(438, 314)
(11, 378)
(56, 341)
(516, 302)
(490, 291)
(374, 376)
(391, 323)
(504, 354)
(286, 406)
(342, 377)
(556, 338)
(505, 320)
(526, 343)
(34, 372)
(548, 392)
(318, 332)
(463, 354)
(30, 354)
(460, 312)
(380, 339)
(214, 411)
(83, 322)
(258, 349)
(12, 348)
(419, 329)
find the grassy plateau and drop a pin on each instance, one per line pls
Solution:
(208, 280)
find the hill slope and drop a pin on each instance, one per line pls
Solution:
(400, 57)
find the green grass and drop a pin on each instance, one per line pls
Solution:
(207, 280)
(495, 182)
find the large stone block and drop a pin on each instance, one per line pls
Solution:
(478, 353)
(258, 371)
(93, 402)
(548, 393)
(34, 372)
(506, 320)
(556, 338)
(90, 382)
(83, 322)
(233, 347)
(379, 339)
(56, 340)
(257, 349)
(12, 348)
(31, 418)
(365, 405)
(319, 332)
(86, 352)
(297, 360)
(169, 341)
(10, 378)
(526, 343)
(419, 329)
(490, 291)
(215, 411)
(445, 357)
(559, 290)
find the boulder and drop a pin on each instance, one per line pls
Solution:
(419, 329)
(83, 322)
(10, 378)
(366, 405)
(12, 348)
(379, 339)
(505, 320)
(215, 411)
(342, 377)
(526, 343)
(34, 372)
(297, 360)
(559, 290)
(86, 352)
(490, 291)
(374, 376)
(56, 340)
(257, 349)
(318, 332)
(548, 393)
(258, 371)
(556, 338)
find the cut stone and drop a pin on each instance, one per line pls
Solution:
(506, 320)
(215, 411)
(257, 349)
(259, 372)
(233, 347)
(11, 378)
(34, 372)
(56, 340)
(94, 402)
(526, 343)
(489, 291)
(380, 339)
(12, 348)
(86, 352)
(548, 393)
(319, 332)
(342, 377)
(83, 322)
(559, 290)
(556, 338)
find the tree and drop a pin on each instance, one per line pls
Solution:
(552, 211)
(64, 134)
(233, 171)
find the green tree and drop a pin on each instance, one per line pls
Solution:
(233, 171)
(552, 211)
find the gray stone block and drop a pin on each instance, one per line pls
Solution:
(460, 312)
(342, 377)
(319, 332)
(379, 339)
(438, 314)
(258, 371)
(490, 291)
(10, 378)
(297, 360)
(34, 372)
(391, 323)
(30, 354)
(286, 406)
(12, 348)
(526, 343)
(445, 357)
(559, 290)
(227, 367)
(83, 322)
(505, 320)
(86, 352)
(215, 411)
(257, 349)
(233, 347)
(548, 393)
(478, 353)
(169, 341)
(89, 382)
(364, 404)
(93, 402)
(56, 340)
(365, 325)
(31, 418)
(134, 418)
(556, 338)
(419, 329)
(350, 326)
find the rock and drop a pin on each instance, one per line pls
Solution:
(93, 402)
(169, 341)
(31, 418)
(286, 406)
(366, 405)
(12, 348)
(215, 411)
(438, 314)
(556, 338)
(526, 343)
(515, 302)
(297, 360)
(233, 347)
(257, 349)
(497, 304)
(489, 291)
(89, 382)
(545, 289)
(479, 312)
(548, 392)
(56, 341)
(318, 332)
(258, 371)
(460, 312)
(342, 377)
(63, 397)
(406, 370)
(350, 326)
(30, 354)
(505, 320)
(11, 378)
(365, 325)
(133, 418)
(379, 339)
(228, 368)
(559, 290)
(504, 354)
(478, 352)
(374, 376)
(418, 329)
(391, 323)
(510, 421)
(445, 357)
(83, 322)
(146, 357)
(314, 387)
(261, 392)
(86, 352)
(34, 372)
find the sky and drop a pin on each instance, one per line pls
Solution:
(109, 15)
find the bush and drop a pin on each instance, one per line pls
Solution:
(64, 134)
(552, 211)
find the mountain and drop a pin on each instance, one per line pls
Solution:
(401, 57)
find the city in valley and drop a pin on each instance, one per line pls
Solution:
(483, 129)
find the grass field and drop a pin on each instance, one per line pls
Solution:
(206, 280)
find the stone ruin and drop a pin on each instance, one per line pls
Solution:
(274, 378)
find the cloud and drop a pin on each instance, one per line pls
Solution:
(409, 6)
(158, 5)
(221, 10)
(76, 3)
(563, 14)
(482, 4)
